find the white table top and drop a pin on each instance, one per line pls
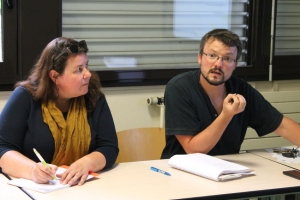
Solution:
(135, 180)
(10, 192)
(294, 163)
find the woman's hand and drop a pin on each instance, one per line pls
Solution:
(78, 171)
(42, 174)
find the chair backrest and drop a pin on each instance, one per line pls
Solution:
(140, 144)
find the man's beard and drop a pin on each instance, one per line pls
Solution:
(214, 82)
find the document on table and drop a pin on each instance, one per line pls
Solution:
(52, 185)
(209, 167)
(282, 158)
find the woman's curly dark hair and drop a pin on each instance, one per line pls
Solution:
(55, 57)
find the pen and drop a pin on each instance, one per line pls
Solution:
(42, 160)
(160, 171)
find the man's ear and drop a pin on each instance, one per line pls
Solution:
(53, 75)
(199, 59)
(235, 65)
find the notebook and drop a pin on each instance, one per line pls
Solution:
(209, 167)
(52, 185)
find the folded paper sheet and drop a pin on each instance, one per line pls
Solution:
(209, 167)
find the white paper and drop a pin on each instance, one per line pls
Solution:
(52, 185)
(281, 158)
(208, 166)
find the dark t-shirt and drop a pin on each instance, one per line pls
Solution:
(189, 111)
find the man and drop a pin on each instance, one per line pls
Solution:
(208, 110)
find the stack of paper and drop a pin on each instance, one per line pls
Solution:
(208, 166)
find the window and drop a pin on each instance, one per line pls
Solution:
(8, 45)
(287, 38)
(138, 42)
(22, 41)
(286, 57)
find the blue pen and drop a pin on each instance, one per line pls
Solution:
(160, 171)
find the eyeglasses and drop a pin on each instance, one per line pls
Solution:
(289, 153)
(214, 58)
(72, 48)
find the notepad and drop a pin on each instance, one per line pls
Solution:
(209, 167)
(51, 186)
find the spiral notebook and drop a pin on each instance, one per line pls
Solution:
(209, 167)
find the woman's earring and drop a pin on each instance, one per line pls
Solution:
(56, 89)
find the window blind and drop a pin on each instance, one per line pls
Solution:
(156, 34)
(287, 38)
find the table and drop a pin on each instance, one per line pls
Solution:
(135, 180)
(265, 154)
(10, 192)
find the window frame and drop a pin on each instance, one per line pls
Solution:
(9, 14)
(30, 41)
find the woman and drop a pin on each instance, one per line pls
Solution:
(61, 112)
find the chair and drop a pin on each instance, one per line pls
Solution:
(140, 144)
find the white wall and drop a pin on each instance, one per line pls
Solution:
(3, 97)
(130, 109)
(128, 106)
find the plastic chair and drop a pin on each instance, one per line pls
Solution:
(140, 144)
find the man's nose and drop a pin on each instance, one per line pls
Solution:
(219, 61)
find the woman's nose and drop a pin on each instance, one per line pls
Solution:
(87, 73)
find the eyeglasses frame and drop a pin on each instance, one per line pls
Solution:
(218, 57)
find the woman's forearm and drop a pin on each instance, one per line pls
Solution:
(17, 165)
(96, 161)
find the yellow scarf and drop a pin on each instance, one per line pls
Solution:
(72, 137)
